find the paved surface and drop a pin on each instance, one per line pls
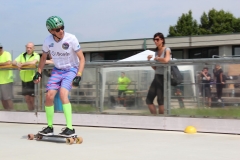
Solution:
(117, 144)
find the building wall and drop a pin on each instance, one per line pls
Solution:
(224, 42)
(225, 50)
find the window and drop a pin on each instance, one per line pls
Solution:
(178, 54)
(236, 50)
(114, 55)
(203, 52)
(97, 56)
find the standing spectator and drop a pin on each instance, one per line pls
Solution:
(162, 55)
(27, 58)
(123, 83)
(218, 74)
(206, 90)
(6, 80)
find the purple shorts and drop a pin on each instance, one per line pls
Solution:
(61, 78)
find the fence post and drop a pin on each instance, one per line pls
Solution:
(96, 102)
(100, 90)
(165, 91)
(168, 90)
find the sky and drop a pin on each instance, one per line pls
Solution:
(23, 21)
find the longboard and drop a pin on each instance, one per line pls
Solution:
(69, 140)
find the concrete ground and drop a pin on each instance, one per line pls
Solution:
(117, 144)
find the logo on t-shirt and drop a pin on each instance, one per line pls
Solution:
(51, 45)
(65, 45)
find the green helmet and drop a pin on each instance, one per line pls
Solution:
(54, 22)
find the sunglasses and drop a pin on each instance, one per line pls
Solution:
(156, 39)
(0, 47)
(58, 30)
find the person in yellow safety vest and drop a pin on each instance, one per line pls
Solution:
(27, 58)
(123, 83)
(6, 80)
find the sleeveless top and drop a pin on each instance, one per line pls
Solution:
(159, 69)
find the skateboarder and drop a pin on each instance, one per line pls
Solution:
(69, 64)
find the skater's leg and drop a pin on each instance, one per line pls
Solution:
(66, 87)
(49, 108)
(67, 107)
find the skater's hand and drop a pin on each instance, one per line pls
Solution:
(76, 81)
(37, 77)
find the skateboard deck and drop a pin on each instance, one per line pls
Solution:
(69, 140)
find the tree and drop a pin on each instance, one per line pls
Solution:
(218, 22)
(185, 26)
(214, 22)
(236, 25)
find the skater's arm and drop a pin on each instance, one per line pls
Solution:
(82, 62)
(49, 61)
(38, 74)
(42, 62)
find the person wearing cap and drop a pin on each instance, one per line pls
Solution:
(69, 62)
(30, 57)
(6, 80)
(123, 83)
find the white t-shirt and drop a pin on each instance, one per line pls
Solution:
(63, 52)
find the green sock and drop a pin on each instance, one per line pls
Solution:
(49, 113)
(67, 109)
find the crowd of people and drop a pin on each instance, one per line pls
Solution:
(29, 57)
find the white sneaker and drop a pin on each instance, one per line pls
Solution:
(219, 100)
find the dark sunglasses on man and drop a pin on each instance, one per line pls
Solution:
(1, 48)
(58, 29)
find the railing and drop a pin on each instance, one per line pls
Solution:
(97, 91)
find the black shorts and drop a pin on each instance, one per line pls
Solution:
(207, 92)
(156, 89)
(121, 92)
(28, 88)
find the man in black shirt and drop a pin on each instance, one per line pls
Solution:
(206, 90)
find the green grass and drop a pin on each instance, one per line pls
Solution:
(83, 108)
(231, 112)
(18, 107)
(75, 108)
(227, 112)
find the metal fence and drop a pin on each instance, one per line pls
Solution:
(97, 92)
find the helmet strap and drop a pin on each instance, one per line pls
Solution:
(54, 35)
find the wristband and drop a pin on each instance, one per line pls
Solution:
(79, 74)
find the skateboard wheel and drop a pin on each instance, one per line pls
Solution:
(30, 136)
(79, 140)
(39, 137)
(69, 140)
